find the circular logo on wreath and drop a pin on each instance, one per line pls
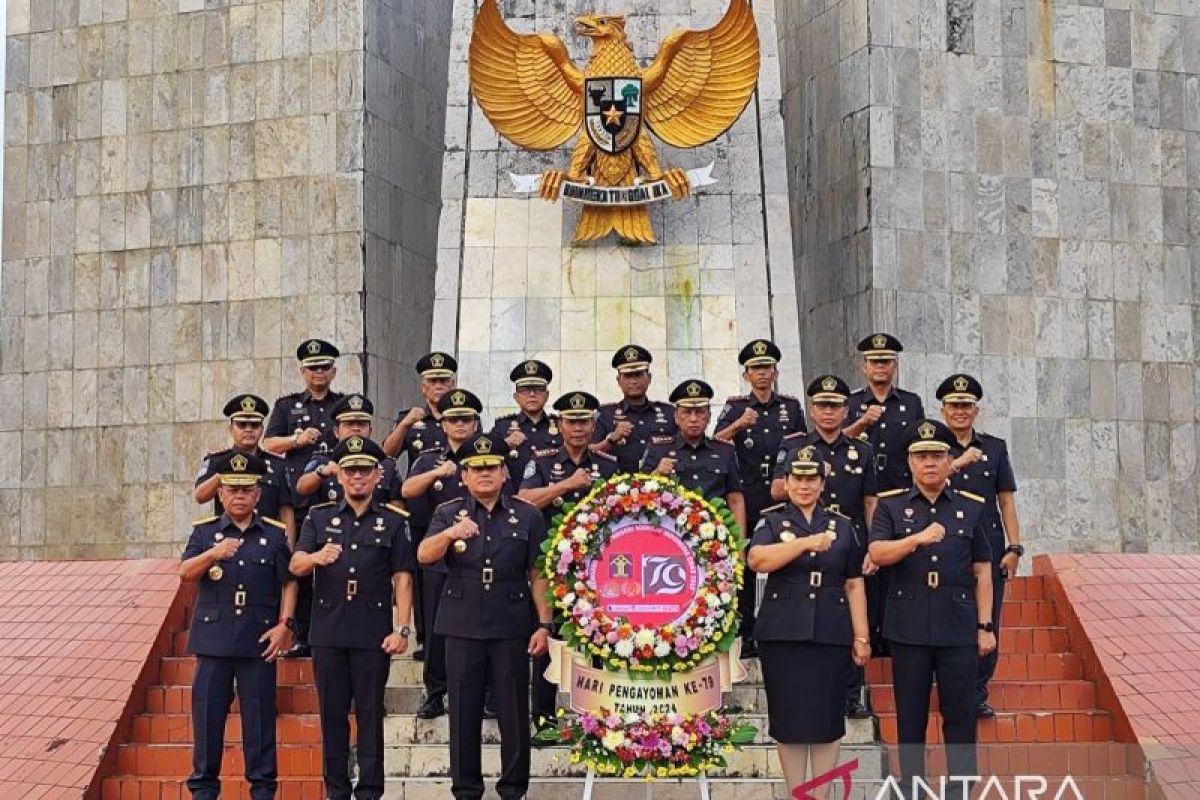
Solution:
(646, 574)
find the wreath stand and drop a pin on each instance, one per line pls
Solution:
(590, 782)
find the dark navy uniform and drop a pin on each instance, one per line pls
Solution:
(541, 434)
(425, 434)
(352, 615)
(987, 478)
(300, 410)
(901, 411)
(548, 468)
(388, 490)
(650, 420)
(276, 491)
(237, 602)
(709, 467)
(758, 445)
(485, 615)
(804, 631)
(930, 620)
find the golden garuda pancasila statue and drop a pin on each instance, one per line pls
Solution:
(693, 91)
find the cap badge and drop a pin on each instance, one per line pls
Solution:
(531, 368)
(458, 398)
(829, 383)
(960, 383)
(483, 445)
(879, 341)
(354, 444)
(693, 389)
(437, 360)
(239, 463)
(806, 454)
(631, 354)
(313, 347)
(248, 404)
(759, 347)
(927, 430)
(577, 401)
(355, 402)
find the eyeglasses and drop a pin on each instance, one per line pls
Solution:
(827, 404)
(358, 469)
(532, 390)
(319, 367)
(247, 424)
(459, 420)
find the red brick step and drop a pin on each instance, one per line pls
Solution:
(1010, 667)
(131, 787)
(1061, 727)
(180, 670)
(1066, 695)
(178, 700)
(177, 729)
(173, 760)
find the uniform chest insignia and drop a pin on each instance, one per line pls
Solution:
(553, 431)
(852, 453)
(787, 536)
(418, 444)
(218, 536)
(215, 573)
(512, 520)
(747, 443)
(332, 493)
(437, 485)
(530, 469)
(379, 525)
(902, 408)
(908, 512)
(595, 471)
(959, 515)
(787, 524)
(557, 468)
(335, 521)
(462, 512)
(460, 546)
(262, 540)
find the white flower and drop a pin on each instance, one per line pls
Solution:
(707, 530)
(624, 648)
(644, 636)
(633, 719)
(662, 649)
(622, 488)
(564, 546)
(712, 600)
(579, 535)
(651, 486)
(725, 597)
(613, 739)
(568, 599)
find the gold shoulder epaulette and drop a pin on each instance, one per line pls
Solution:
(206, 520)
(448, 502)
(396, 508)
(275, 522)
(322, 505)
(775, 507)
(522, 500)
(891, 493)
(604, 456)
(733, 398)
(972, 496)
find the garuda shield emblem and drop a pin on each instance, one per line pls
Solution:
(613, 112)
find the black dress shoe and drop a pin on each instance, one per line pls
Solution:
(432, 708)
(419, 654)
(984, 711)
(856, 710)
(298, 650)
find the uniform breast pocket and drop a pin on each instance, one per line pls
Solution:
(208, 615)
(518, 595)
(454, 592)
(777, 594)
(901, 593)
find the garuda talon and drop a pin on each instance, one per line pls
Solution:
(693, 91)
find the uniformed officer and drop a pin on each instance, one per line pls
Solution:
(624, 429)
(981, 466)
(301, 424)
(434, 479)
(705, 465)
(756, 424)
(241, 624)
(351, 417)
(490, 542)
(813, 618)
(246, 413)
(938, 614)
(554, 479)
(530, 428)
(849, 489)
(361, 559)
(417, 428)
(882, 414)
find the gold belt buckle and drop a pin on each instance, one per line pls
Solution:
(815, 579)
(351, 587)
(239, 599)
(932, 579)
(488, 575)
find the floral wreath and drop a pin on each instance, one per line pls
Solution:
(706, 527)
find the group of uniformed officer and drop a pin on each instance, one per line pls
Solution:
(353, 542)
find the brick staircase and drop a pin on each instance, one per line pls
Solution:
(1047, 719)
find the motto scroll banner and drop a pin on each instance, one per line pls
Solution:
(644, 576)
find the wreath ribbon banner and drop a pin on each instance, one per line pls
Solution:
(693, 692)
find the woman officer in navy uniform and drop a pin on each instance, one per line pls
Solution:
(813, 618)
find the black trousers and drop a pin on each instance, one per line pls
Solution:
(913, 670)
(212, 696)
(473, 666)
(419, 626)
(433, 672)
(987, 664)
(346, 675)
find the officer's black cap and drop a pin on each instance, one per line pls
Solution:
(437, 365)
(483, 451)
(316, 353)
(760, 353)
(960, 388)
(632, 358)
(828, 389)
(246, 406)
(880, 346)
(353, 407)
(240, 469)
(930, 436)
(805, 462)
(459, 403)
(531, 373)
(692, 394)
(577, 405)
(357, 451)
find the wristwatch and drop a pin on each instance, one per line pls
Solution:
(1016, 549)
(404, 631)
(548, 627)
(986, 627)
(290, 623)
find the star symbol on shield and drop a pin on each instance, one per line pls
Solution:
(613, 116)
